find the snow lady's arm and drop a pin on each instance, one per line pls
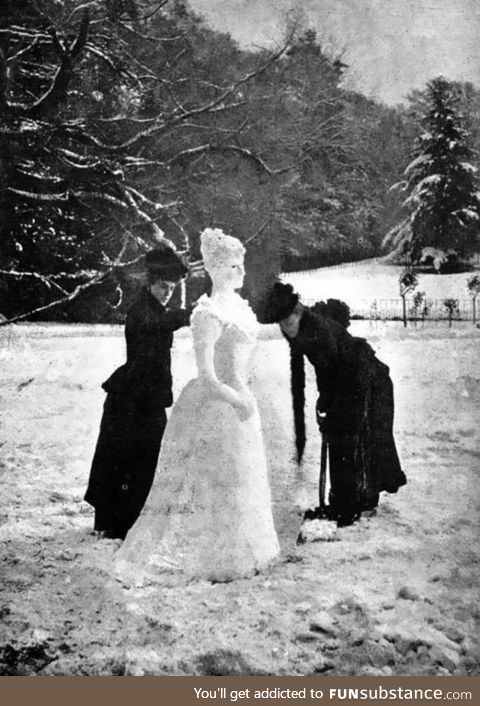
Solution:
(206, 329)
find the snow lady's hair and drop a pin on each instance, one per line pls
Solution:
(219, 249)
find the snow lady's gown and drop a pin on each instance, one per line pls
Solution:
(209, 511)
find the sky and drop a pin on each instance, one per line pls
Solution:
(392, 46)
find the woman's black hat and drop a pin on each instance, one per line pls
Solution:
(163, 262)
(281, 302)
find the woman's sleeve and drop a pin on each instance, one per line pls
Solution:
(138, 329)
(324, 355)
(174, 319)
(297, 369)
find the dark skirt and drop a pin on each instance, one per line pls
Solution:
(124, 462)
(363, 459)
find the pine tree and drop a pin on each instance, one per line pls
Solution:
(443, 200)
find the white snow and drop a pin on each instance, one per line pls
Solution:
(471, 168)
(396, 593)
(421, 159)
(361, 285)
(469, 213)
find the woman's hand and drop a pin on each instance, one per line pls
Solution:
(242, 401)
(245, 406)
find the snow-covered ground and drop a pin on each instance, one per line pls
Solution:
(396, 593)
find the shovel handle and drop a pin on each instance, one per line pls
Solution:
(323, 473)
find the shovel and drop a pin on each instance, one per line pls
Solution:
(321, 511)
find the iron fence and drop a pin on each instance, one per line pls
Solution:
(429, 310)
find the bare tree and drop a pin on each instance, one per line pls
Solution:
(102, 119)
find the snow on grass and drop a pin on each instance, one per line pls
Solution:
(360, 285)
(397, 593)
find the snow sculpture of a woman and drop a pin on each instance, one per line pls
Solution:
(209, 511)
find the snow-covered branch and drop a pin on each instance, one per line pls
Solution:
(3, 81)
(220, 104)
(57, 302)
(61, 78)
(258, 232)
(225, 148)
(45, 279)
(96, 279)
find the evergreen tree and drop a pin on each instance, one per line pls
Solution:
(443, 200)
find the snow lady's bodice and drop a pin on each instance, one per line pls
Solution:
(234, 326)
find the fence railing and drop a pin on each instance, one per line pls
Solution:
(392, 309)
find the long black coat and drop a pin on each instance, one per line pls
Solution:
(134, 417)
(356, 394)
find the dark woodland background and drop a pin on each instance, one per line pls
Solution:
(119, 114)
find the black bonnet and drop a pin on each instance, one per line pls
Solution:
(281, 302)
(163, 262)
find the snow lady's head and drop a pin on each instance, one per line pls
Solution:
(223, 256)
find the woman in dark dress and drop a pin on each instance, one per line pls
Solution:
(355, 405)
(138, 392)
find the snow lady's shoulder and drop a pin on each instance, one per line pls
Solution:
(205, 310)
